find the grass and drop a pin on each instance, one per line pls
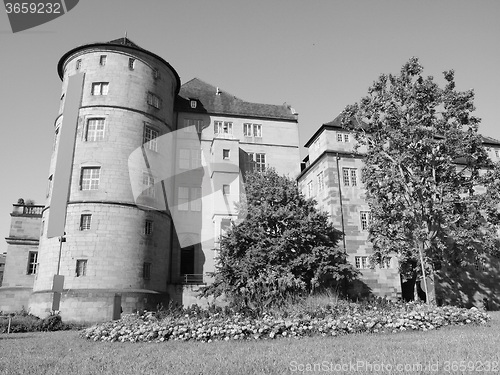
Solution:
(66, 353)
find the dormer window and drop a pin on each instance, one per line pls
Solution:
(193, 103)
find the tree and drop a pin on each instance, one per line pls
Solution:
(430, 200)
(282, 247)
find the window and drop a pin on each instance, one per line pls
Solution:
(90, 178)
(350, 176)
(85, 220)
(56, 136)
(497, 153)
(188, 199)
(148, 227)
(191, 122)
(256, 162)
(189, 158)
(321, 181)
(78, 64)
(252, 130)
(309, 189)
(131, 63)
(223, 127)
(148, 183)
(32, 262)
(225, 225)
(386, 263)
(226, 189)
(183, 198)
(81, 267)
(195, 199)
(361, 262)
(146, 270)
(342, 137)
(156, 73)
(193, 103)
(365, 219)
(150, 136)
(100, 88)
(225, 154)
(49, 186)
(102, 60)
(153, 100)
(257, 130)
(61, 103)
(42, 229)
(95, 130)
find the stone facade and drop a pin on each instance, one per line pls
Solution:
(128, 251)
(331, 174)
(21, 264)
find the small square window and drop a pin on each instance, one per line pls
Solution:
(225, 154)
(81, 267)
(131, 63)
(102, 60)
(226, 189)
(339, 137)
(100, 88)
(148, 227)
(497, 154)
(146, 270)
(85, 221)
(153, 100)
(193, 103)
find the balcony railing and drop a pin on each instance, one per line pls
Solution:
(192, 279)
(27, 210)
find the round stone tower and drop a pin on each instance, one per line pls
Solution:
(117, 253)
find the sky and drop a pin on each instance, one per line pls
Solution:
(318, 56)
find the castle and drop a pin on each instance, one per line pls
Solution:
(156, 171)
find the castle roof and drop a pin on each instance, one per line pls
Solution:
(211, 99)
(335, 124)
(124, 42)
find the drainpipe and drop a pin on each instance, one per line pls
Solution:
(341, 206)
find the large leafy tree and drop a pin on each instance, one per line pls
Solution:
(432, 190)
(281, 247)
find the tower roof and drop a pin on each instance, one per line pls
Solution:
(124, 43)
(213, 100)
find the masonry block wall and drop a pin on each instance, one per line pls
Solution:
(22, 257)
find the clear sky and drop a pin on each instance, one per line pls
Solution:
(317, 55)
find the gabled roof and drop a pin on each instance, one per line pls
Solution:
(336, 125)
(213, 100)
(332, 125)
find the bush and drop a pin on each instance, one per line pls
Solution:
(327, 320)
(23, 321)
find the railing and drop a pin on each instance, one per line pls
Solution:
(192, 279)
(27, 210)
(32, 210)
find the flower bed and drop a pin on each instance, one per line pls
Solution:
(226, 326)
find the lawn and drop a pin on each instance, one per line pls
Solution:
(444, 349)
